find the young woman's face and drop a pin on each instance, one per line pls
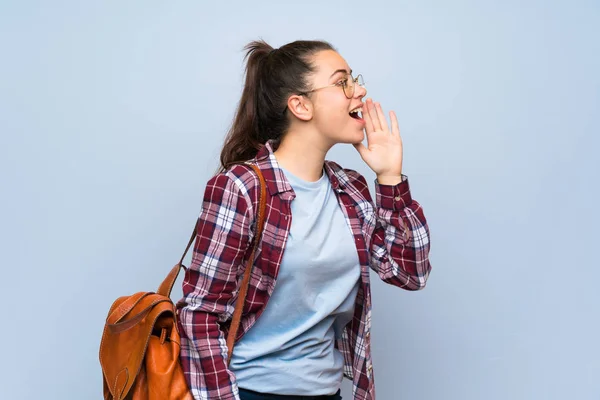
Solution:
(331, 104)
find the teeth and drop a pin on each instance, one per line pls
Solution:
(356, 110)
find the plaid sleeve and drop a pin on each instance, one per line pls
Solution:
(208, 287)
(399, 241)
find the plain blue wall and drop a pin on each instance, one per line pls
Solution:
(112, 115)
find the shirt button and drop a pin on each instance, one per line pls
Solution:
(368, 335)
(397, 198)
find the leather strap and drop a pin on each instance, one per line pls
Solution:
(125, 307)
(167, 285)
(239, 305)
(136, 319)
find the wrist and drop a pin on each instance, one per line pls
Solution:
(389, 179)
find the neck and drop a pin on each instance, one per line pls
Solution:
(302, 155)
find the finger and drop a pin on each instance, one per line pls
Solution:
(381, 117)
(367, 117)
(395, 127)
(373, 115)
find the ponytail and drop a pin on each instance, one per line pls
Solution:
(272, 75)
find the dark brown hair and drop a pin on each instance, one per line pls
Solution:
(272, 75)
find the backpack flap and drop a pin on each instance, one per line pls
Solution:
(130, 324)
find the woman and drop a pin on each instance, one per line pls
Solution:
(310, 281)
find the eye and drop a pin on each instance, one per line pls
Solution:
(342, 82)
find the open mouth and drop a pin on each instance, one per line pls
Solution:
(356, 113)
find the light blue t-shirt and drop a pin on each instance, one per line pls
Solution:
(290, 349)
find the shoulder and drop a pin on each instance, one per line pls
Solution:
(238, 184)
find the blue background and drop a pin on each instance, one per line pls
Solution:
(112, 115)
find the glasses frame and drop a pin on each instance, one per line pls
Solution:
(357, 81)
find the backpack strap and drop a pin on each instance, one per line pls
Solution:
(239, 305)
(167, 285)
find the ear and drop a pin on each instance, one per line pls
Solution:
(301, 107)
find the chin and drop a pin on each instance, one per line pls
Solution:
(359, 137)
(350, 137)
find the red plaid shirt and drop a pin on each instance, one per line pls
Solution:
(391, 237)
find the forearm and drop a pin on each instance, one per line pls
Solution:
(203, 357)
(400, 242)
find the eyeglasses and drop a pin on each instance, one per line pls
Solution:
(348, 85)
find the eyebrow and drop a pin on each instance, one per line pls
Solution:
(340, 70)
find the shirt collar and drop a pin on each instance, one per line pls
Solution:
(275, 177)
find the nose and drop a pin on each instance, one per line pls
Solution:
(360, 91)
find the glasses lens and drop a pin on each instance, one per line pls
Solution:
(359, 81)
(351, 85)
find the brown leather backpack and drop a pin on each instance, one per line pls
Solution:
(139, 351)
